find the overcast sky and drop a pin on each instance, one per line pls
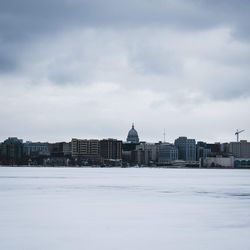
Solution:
(89, 68)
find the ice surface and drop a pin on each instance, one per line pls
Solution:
(124, 209)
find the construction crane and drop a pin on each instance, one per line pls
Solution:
(237, 134)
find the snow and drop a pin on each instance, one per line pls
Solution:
(124, 209)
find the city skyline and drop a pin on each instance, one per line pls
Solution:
(88, 69)
(184, 152)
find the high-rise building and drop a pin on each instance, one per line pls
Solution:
(86, 149)
(186, 148)
(240, 149)
(111, 149)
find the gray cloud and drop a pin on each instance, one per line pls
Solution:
(37, 16)
(161, 59)
(22, 22)
(232, 13)
(7, 64)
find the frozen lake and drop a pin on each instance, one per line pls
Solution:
(124, 209)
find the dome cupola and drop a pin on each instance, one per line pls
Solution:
(133, 135)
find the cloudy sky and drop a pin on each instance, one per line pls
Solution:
(89, 68)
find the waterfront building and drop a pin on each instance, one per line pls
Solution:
(186, 148)
(242, 163)
(127, 152)
(240, 149)
(34, 149)
(67, 149)
(167, 153)
(133, 135)
(56, 149)
(145, 153)
(202, 150)
(86, 149)
(111, 149)
(217, 162)
(12, 151)
(215, 148)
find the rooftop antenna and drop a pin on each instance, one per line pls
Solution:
(164, 135)
(237, 133)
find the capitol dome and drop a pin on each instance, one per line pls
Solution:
(133, 135)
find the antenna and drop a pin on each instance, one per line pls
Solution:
(164, 136)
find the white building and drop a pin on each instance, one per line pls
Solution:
(219, 161)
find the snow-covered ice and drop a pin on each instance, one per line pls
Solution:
(124, 209)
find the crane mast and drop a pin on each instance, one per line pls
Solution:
(237, 134)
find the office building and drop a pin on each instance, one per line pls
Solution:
(186, 149)
(167, 153)
(111, 149)
(145, 153)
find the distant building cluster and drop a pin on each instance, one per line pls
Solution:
(184, 152)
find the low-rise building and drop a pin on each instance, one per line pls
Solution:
(242, 162)
(34, 149)
(217, 162)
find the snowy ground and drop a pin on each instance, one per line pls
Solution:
(124, 209)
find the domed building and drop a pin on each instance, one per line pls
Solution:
(133, 135)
